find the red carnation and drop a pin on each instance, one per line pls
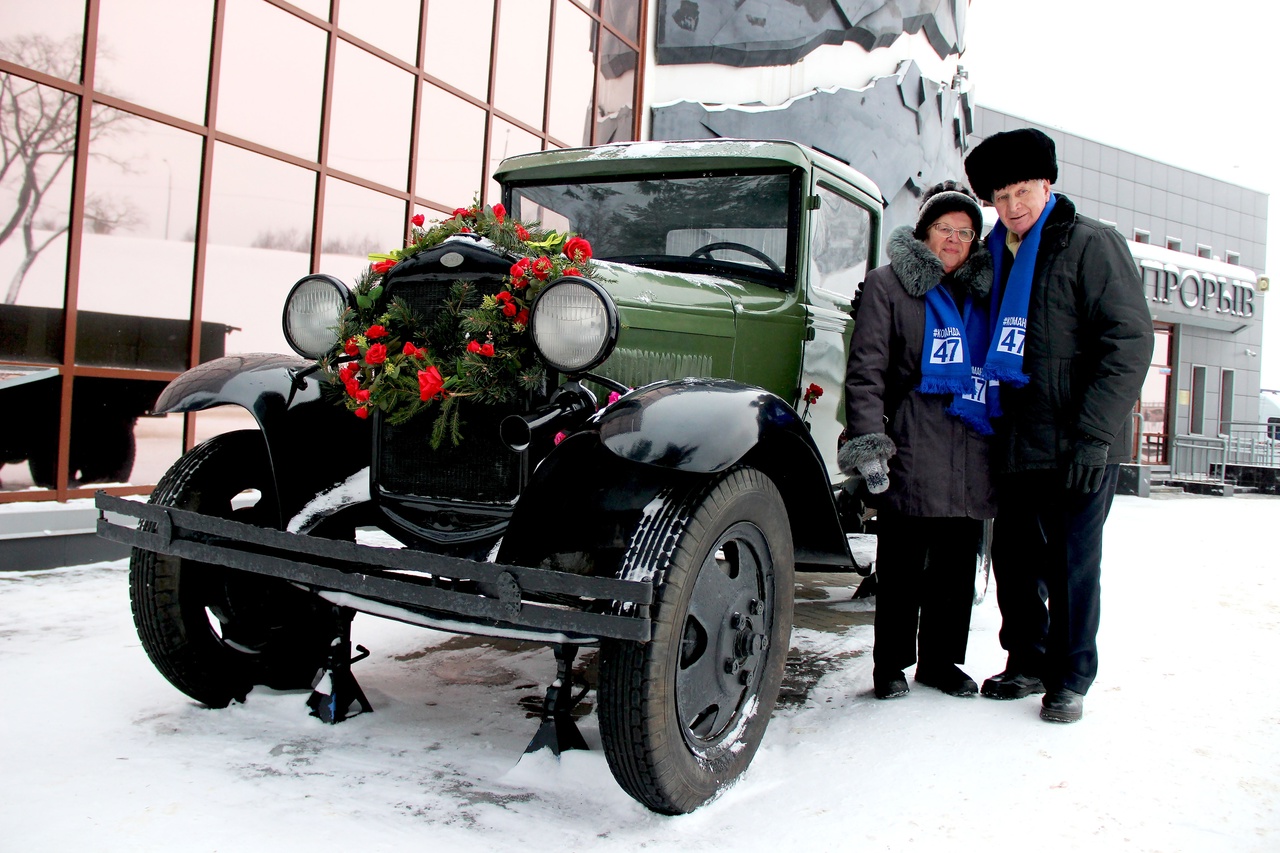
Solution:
(376, 331)
(362, 412)
(464, 230)
(812, 393)
(383, 266)
(418, 220)
(521, 232)
(503, 296)
(362, 396)
(473, 346)
(487, 349)
(351, 347)
(460, 212)
(521, 267)
(376, 354)
(430, 383)
(572, 271)
(499, 213)
(578, 250)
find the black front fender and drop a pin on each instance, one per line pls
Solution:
(587, 494)
(311, 443)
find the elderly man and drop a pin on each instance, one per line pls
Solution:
(1074, 341)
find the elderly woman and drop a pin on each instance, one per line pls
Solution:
(917, 417)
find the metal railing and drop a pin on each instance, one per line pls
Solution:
(1251, 444)
(1199, 458)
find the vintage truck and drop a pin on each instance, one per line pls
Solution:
(663, 527)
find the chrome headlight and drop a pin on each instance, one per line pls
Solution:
(574, 324)
(311, 313)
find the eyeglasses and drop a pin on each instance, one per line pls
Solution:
(965, 235)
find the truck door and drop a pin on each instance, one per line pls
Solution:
(842, 234)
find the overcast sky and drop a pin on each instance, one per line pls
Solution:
(1188, 82)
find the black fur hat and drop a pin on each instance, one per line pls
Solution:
(947, 197)
(1008, 158)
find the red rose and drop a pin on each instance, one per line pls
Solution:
(383, 266)
(473, 346)
(412, 351)
(509, 309)
(464, 230)
(362, 396)
(499, 213)
(362, 412)
(351, 347)
(376, 354)
(541, 267)
(430, 383)
(460, 212)
(578, 250)
(376, 331)
(522, 318)
(487, 349)
(352, 386)
(503, 296)
(418, 220)
(572, 271)
(521, 232)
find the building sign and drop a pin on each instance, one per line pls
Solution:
(1189, 289)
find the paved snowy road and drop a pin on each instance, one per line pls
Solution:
(1178, 750)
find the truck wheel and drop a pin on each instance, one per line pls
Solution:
(215, 632)
(681, 716)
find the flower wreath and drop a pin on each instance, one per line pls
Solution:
(386, 359)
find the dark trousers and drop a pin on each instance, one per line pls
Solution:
(924, 586)
(1047, 559)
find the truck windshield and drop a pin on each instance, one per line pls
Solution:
(728, 224)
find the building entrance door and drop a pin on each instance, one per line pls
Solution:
(1153, 407)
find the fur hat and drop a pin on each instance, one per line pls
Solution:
(943, 198)
(1008, 158)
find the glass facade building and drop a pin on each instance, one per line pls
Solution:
(163, 185)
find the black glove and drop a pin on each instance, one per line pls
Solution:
(1088, 465)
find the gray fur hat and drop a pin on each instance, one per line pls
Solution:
(947, 197)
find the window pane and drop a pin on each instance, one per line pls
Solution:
(358, 221)
(459, 36)
(389, 24)
(615, 91)
(110, 440)
(839, 244)
(140, 202)
(29, 448)
(319, 8)
(183, 53)
(623, 16)
(259, 245)
(272, 78)
(521, 68)
(572, 73)
(372, 114)
(450, 149)
(508, 141)
(40, 124)
(47, 35)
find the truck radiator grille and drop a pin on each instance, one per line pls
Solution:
(480, 469)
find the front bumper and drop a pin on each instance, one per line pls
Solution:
(436, 590)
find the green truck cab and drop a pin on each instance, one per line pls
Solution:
(651, 498)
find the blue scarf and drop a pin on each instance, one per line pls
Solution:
(955, 347)
(1009, 302)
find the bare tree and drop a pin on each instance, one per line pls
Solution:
(38, 127)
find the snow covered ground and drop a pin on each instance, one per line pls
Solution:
(1179, 749)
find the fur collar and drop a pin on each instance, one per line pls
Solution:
(919, 269)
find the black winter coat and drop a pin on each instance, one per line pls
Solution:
(942, 467)
(1087, 350)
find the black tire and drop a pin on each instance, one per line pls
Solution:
(682, 716)
(215, 632)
